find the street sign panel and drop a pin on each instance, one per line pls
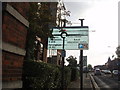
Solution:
(77, 38)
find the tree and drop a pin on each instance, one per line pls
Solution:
(72, 61)
(39, 19)
(89, 67)
(73, 64)
(118, 51)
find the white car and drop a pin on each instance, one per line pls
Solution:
(106, 71)
(115, 72)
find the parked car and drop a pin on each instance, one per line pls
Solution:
(97, 72)
(106, 71)
(115, 72)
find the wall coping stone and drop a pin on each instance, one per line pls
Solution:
(13, 49)
(17, 15)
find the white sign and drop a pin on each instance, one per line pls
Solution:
(77, 38)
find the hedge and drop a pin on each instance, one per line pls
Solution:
(67, 76)
(40, 75)
(74, 73)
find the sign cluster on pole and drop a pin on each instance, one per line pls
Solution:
(77, 38)
(71, 38)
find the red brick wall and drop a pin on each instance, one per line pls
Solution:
(14, 33)
(21, 7)
(12, 66)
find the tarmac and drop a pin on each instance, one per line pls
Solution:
(87, 84)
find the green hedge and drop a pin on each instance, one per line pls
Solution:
(74, 73)
(67, 76)
(43, 75)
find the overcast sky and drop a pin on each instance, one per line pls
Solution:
(101, 16)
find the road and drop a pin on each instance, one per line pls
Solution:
(106, 81)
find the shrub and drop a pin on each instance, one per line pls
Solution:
(74, 73)
(67, 76)
(40, 75)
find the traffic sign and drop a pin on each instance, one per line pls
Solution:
(77, 38)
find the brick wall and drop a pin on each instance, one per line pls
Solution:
(14, 32)
(22, 8)
(12, 69)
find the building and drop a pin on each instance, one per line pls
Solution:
(14, 31)
(60, 17)
(113, 64)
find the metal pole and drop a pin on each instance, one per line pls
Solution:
(86, 68)
(81, 63)
(86, 71)
(63, 65)
(81, 69)
(81, 21)
(63, 57)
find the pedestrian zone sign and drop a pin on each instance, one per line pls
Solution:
(77, 38)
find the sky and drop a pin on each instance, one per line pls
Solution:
(102, 17)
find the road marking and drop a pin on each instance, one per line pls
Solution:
(104, 85)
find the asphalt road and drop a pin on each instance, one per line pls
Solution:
(106, 81)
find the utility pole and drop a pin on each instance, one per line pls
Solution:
(81, 63)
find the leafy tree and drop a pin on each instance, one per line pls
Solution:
(89, 67)
(118, 51)
(72, 61)
(39, 18)
(73, 64)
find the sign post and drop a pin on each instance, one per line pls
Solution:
(70, 38)
(63, 35)
(85, 64)
(81, 62)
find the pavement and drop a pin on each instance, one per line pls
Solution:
(75, 85)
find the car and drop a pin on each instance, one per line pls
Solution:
(106, 71)
(118, 75)
(97, 72)
(115, 72)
